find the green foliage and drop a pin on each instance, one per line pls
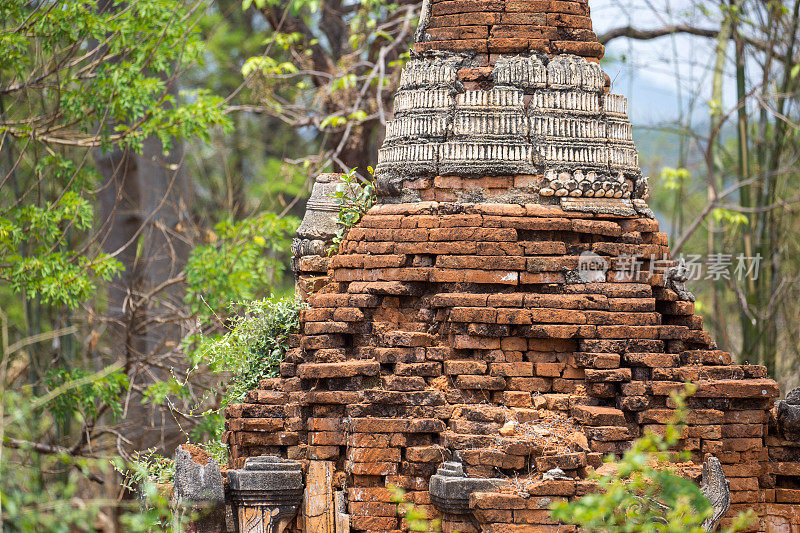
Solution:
(217, 449)
(34, 256)
(243, 262)
(354, 200)
(79, 75)
(645, 494)
(416, 519)
(673, 179)
(250, 351)
(730, 217)
(85, 400)
(267, 66)
(143, 42)
(255, 345)
(160, 391)
(147, 466)
(296, 6)
(43, 491)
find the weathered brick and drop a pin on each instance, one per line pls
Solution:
(605, 376)
(483, 262)
(339, 370)
(396, 425)
(428, 369)
(486, 315)
(403, 383)
(652, 360)
(516, 399)
(465, 342)
(373, 523)
(567, 461)
(495, 500)
(592, 415)
(530, 384)
(373, 455)
(608, 433)
(426, 454)
(479, 382)
(549, 370)
(521, 368)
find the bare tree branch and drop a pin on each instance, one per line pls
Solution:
(644, 35)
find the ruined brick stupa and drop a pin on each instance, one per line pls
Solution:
(483, 320)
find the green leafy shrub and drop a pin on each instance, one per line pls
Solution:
(85, 399)
(354, 200)
(645, 494)
(255, 345)
(242, 263)
(81, 75)
(252, 350)
(147, 466)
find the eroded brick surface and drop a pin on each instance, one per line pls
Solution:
(396, 368)
(511, 26)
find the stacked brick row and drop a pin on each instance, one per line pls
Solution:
(489, 27)
(311, 274)
(268, 422)
(461, 331)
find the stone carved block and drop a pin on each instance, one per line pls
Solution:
(318, 228)
(593, 77)
(567, 71)
(424, 19)
(415, 159)
(642, 208)
(619, 130)
(675, 279)
(319, 221)
(623, 208)
(486, 157)
(266, 493)
(788, 416)
(496, 99)
(422, 100)
(623, 157)
(563, 153)
(487, 124)
(418, 126)
(450, 488)
(615, 105)
(568, 125)
(572, 102)
(521, 72)
(718, 491)
(583, 184)
(498, 114)
(429, 73)
(198, 488)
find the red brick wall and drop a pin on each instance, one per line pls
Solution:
(443, 322)
(489, 27)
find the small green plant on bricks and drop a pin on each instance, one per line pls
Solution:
(644, 494)
(416, 519)
(354, 200)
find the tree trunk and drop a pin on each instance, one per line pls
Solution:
(145, 203)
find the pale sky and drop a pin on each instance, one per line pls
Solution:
(659, 74)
